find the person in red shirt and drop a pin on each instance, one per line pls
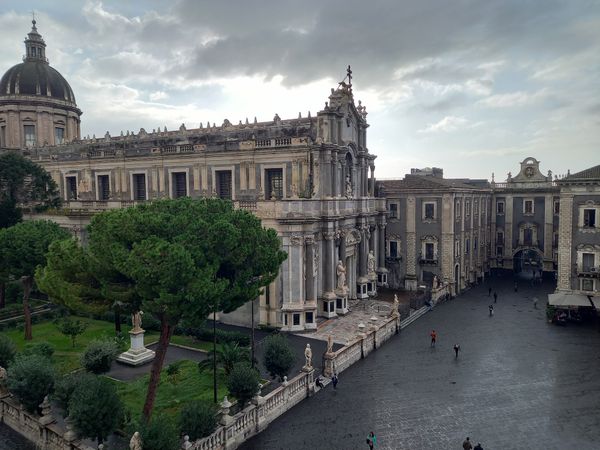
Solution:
(433, 335)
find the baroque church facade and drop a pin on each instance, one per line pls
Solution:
(309, 178)
(312, 180)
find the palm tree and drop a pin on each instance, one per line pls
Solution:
(227, 356)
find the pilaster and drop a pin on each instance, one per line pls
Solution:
(565, 242)
(410, 282)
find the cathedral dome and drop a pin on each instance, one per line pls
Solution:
(36, 78)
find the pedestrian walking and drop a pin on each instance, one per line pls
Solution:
(489, 291)
(456, 350)
(495, 297)
(433, 335)
(334, 381)
(478, 446)
(491, 308)
(371, 440)
(467, 444)
(535, 300)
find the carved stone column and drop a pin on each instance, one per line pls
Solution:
(329, 262)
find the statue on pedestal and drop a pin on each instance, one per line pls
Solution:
(136, 321)
(341, 275)
(329, 343)
(394, 311)
(3, 380)
(136, 442)
(436, 282)
(371, 262)
(348, 187)
(308, 356)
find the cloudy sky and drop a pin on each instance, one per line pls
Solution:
(470, 86)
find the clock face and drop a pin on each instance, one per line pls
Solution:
(529, 171)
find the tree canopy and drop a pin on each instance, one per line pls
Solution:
(23, 248)
(173, 259)
(23, 182)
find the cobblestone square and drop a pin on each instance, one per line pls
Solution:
(518, 382)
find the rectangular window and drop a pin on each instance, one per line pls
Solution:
(589, 218)
(393, 249)
(139, 186)
(71, 187)
(3, 137)
(499, 251)
(467, 208)
(528, 236)
(475, 245)
(499, 238)
(587, 284)
(285, 319)
(467, 246)
(274, 179)
(475, 207)
(179, 180)
(500, 208)
(29, 133)
(556, 207)
(223, 183)
(296, 319)
(457, 209)
(267, 296)
(555, 240)
(429, 251)
(59, 136)
(588, 262)
(429, 211)
(393, 210)
(457, 247)
(103, 187)
(309, 317)
(528, 207)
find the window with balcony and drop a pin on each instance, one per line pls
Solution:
(587, 284)
(139, 186)
(29, 134)
(179, 184)
(499, 207)
(224, 184)
(588, 260)
(103, 187)
(59, 135)
(274, 180)
(429, 251)
(71, 188)
(429, 211)
(589, 218)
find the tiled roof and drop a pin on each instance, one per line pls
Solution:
(426, 183)
(587, 174)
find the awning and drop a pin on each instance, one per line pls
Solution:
(596, 302)
(566, 299)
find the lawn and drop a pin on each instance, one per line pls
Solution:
(66, 356)
(190, 384)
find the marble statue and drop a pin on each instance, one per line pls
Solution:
(3, 380)
(371, 262)
(136, 442)
(348, 187)
(308, 356)
(136, 321)
(329, 343)
(436, 282)
(341, 275)
(394, 311)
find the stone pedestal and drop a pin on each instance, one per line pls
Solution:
(328, 305)
(372, 284)
(137, 354)
(341, 302)
(361, 288)
(410, 283)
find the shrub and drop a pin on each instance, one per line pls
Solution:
(99, 355)
(65, 387)
(206, 334)
(160, 433)
(173, 370)
(72, 328)
(95, 408)
(30, 379)
(198, 419)
(38, 348)
(227, 356)
(8, 350)
(243, 382)
(279, 357)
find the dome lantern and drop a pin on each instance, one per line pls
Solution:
(35, 47)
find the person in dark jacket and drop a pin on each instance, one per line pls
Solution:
(478, 447)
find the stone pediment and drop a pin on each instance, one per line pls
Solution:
(529, 173)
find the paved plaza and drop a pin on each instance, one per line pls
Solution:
(518, 382)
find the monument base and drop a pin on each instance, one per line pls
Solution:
(361, 288)
(137, 354)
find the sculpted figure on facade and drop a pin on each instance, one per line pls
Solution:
(341, 275)
(371, 262)
(394, 311)
(348, 186)
(330, 343)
